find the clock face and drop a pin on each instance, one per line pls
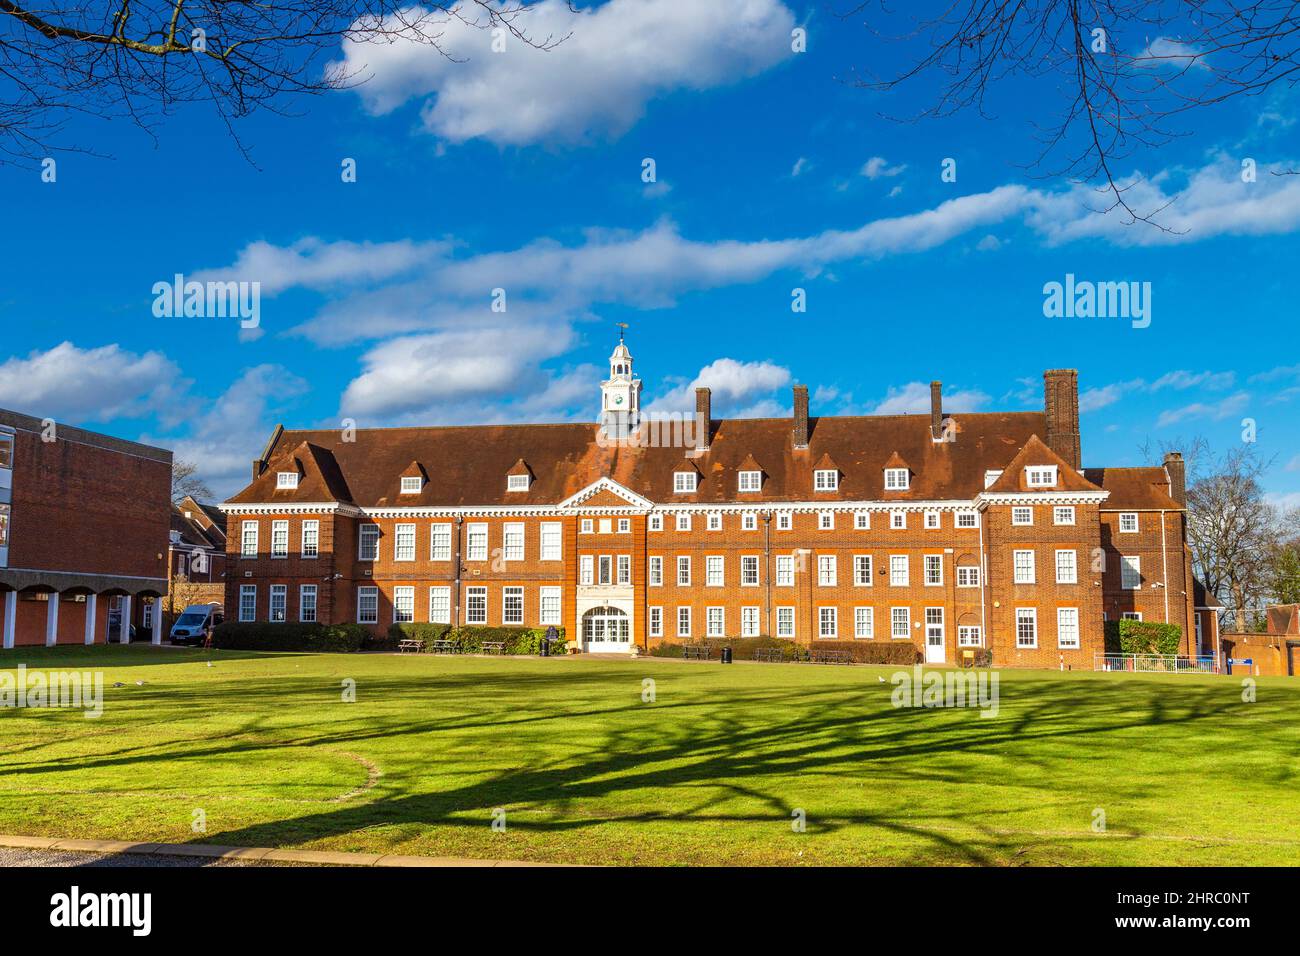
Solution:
(618, 399)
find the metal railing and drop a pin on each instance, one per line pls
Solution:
(1155, 664)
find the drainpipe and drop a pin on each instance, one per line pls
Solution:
(767, 572)
(1164, 561)
(984, 574)
(460, 545)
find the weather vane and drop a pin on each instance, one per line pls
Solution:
(622, 327)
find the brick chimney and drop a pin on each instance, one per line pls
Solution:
(936, 410)
(1061, 403)
(1176, 469)
(703, 418)
(800, 430)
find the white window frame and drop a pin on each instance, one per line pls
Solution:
(1020, 573)
(898, 521)
(900, 571)
(1022, 516)
(1130, 572)
(1068, 573)
(624, 525)
(1061, 613)
(826, 479)
(507, 595)
(683, 521)
(399, 532)
(477, 541)
(587, 569)
(303, 604)
(365, 591)
(513, 550)
(932, 563)
(784, 621)
(248, 542)
(750, 620)
(403, 594)
(932, 521)
(656, 522)
(897, 479)
(280, 539)
(713, 521)
(827, 570)
(826, 521)
(1026, 615)
(715, 571)
(784, 521)
(1063, 515)
(309, 540)
(655, 620)
(969, 635)
(895, 619)
(443, 591)
(368, 534)
(247, 610)
(1124, 517)
(862, 571)
(749, 571)
(1040, 476)
(552, 549)
(967, 519)
(864, 623)
(411, 485)
(968, 576)
(715, 621)
(472, 592)
(785, 567)
(287, 481)
(550, 605)
(828, 615)
(683, 564)
(862, 521)
(655, 571)
(518, 482)
(684, 482)
(623, 569)
(749, 482)
(683, 618)
(749, 521)
(587, 526)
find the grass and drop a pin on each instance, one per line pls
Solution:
(709, 773)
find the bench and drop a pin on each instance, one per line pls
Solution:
(410, 644)
(443, 647)
(829, 656)
(493, 647)
(773, 655)
(696, 652)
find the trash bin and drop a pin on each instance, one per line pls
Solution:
(726, 655)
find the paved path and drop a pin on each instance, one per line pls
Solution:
(121, 853)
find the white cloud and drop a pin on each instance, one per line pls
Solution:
(733, 383)
(1217, 411)
(312, 263)
(989, 243)
(877, 168)
(914, 398)
(613, 60)
(225, 438)
(74, 384)
(800, 166)
(1165, 52)
(1182, 379)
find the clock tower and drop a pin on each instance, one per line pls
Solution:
(620, 395)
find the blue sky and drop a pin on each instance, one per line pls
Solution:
(523, 171)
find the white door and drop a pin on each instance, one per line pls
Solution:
(934, 652)
(606, 630)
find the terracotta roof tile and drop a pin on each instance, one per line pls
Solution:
(1142, 489)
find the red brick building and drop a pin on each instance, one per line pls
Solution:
(83, 533)
(950, 531)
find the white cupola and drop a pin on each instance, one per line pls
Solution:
(620, 395)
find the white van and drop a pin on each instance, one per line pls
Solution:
(196, 623)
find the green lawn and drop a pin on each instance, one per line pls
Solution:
(710, 772)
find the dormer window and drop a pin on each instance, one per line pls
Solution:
(896, 479)
(286, 480)
(684, 482)
(750, 481)
(517, 482)
(1040, 476)
(990, 477)
(412, 485)
(826, 479)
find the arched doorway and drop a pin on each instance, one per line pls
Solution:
(606, 629)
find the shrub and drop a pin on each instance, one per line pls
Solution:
(424, 632)
(869, 652)
(266, 636)
(743, 649)
(469, 639)
(1142, 637)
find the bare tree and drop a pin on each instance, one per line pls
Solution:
(141, 58)
(185, 481)
(1126, 69)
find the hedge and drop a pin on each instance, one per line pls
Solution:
(743, 649)
(1142, 637)
(470, 639)
(266, 636)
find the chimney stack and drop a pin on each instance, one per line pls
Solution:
(259, 466)
(1061, 404)
(800, 430)
(936, 410)
(703, 418)
(1176, 469)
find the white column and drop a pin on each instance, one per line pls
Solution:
(52, 619)
(11, 618)
(126, 619)
(157, 621)
(92, 610)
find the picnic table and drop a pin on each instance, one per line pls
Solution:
(443, 647)
(829, 656)
(412, 644)
(493, 647)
